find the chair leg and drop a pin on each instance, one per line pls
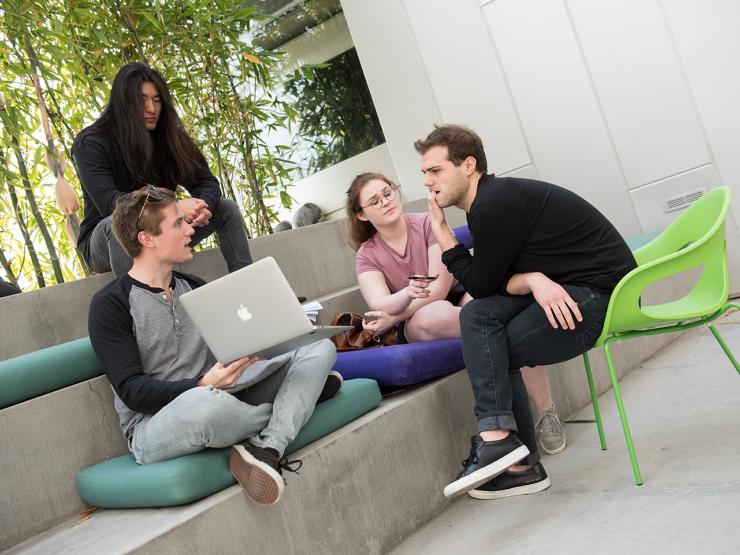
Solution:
(594, 400)
(725, 348)
(623, 416)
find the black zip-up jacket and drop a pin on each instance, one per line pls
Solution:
(105, 177)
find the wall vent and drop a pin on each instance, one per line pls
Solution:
(682, 201)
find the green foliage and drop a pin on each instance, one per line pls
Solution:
(222, 85)
(336, 112)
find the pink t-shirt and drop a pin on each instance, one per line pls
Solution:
(375, 254)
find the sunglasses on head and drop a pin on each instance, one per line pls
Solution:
(151, 193)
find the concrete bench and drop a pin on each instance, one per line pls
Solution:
(356, 492)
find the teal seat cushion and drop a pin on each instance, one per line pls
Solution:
(121, 483)
(35, 374)
(635, 243)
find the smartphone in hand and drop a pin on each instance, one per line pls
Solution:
(422, 277)
(370, 317)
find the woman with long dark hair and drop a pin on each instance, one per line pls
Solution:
(140, 139)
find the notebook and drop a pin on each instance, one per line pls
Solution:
(252, 312)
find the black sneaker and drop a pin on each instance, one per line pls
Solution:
(487, 459)
(259, 471)
(332, 386)
(513, 483)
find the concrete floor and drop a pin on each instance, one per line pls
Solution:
(684, 412)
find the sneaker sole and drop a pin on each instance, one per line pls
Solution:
(332, 386)
(553, 451)
(261, 483)
(521, 490)
(482, 475)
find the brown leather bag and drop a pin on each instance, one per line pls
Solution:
(358, 338)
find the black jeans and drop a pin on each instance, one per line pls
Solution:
(106, 253)
(7, 289)
(500, 334)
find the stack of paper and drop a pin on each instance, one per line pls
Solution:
(312, 310)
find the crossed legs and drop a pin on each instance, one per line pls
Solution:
(441, 320)
(106, 254)
(501, 334)
(271, 412)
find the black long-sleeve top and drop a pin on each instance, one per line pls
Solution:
(105, 177)
(524, 225)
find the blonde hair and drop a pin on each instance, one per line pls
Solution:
(130, 216)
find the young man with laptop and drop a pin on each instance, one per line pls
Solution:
(171, 396)
(544, 267)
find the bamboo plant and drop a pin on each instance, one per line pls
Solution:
(57, 61)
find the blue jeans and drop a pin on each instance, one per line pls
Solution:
(106, 254)
(502, 333)
(270, 413)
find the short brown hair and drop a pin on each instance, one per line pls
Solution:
(460, 141)
(359, 230)
(130, 216)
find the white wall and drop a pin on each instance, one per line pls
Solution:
(327, 188)
(627, 103)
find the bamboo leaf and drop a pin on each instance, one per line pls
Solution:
(223, 88)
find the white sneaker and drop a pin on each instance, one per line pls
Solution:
(258, 471)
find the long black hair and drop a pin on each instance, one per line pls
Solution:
(167, 156)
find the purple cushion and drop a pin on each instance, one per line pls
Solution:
(402, 364)
(463, 235)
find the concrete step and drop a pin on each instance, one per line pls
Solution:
(365, 488)
(56, 436)
(348, 299)
(362, 488)
(316, 261)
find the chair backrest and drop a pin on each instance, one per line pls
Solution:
(696, 238)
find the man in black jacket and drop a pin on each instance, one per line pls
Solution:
(140, 139)
(543, 269)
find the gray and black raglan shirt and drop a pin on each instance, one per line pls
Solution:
(149, 348)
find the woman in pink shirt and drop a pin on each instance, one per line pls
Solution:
(391, 246)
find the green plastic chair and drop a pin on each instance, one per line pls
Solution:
(696, 238)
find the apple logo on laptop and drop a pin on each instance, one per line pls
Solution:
(243, 313)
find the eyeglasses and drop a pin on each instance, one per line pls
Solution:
(389, 194)
(153, 193)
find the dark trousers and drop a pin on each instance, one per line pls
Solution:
(106, 253)
(502, 333)
(7, 289)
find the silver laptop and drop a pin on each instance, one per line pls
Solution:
(252, 312)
